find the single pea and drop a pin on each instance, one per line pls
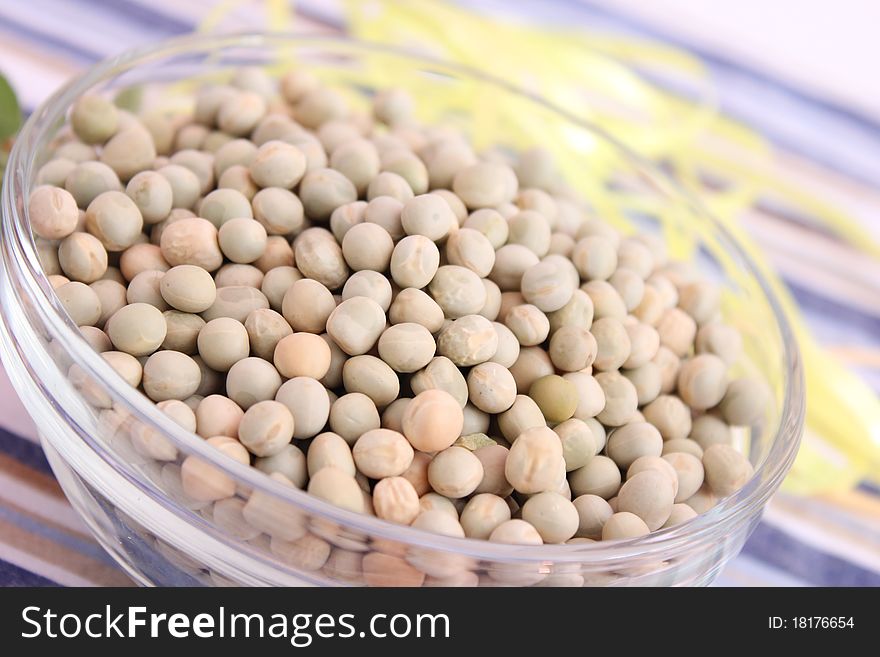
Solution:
(319, 256)
(222, 343)
(239, 112)
(390, 184)
(372, 377)
(532, 230)
(235, 302)
(406, 347)
(595, 258)
(745, 402)
(115, 220)
(191, 241)
(606, 301)
(275, 284)
(152, 194)
(493, 459)
(633, 440)
(670, 415)
(137, 329)
(593, 512)
(278, 164)
(278, 253)
(600, 476)
(94, 119)
(552, 515)
(217, 415)
(648, 495)
(412, 305)
(235, 152)
(573, 348)
(339, 488)
(511, 263)
(624, 525)
(469, 340)
(471, 249)
(719, 339)
(188, 288)
(96, 338)
(491, 387)
(677, 331)
(689, 472)
(386, 212)
(352, 415)
(323, 190)
(82, 257)
(236, 275)
(532, 364)
(702, 381)
(432, 421)
(266, 428)
(395, 499)
(455, 472)
(414, 261)
(578, 443)
(52, 212)
(55, 171)
(680, 513)
(535, 460)
(127, 366)
(329, 449)
(356, 324)
(458, 291)
(408, 166)
(629, 286)
(367, 246)
(556, 397)
(683, 445)
(146, 288)
(223, 205)
(708, 430)
(546, 286)
(441, 374)
(265, 329)
(170, 375)
(530, 326)
(242, 240)
(621, 399)
(370, 284)
(307, 305)
(279, 210)
(490, 223)
(429, 503)
(516, 532)
(577, 312)
(182, 331)
(202, 481)
(485, 185)
(89, 179)
(358, 160)
(726, 470)
(129, 151)
(482, 514)
(381, 453)
(252, 380)
(302, 354)
(308, 402)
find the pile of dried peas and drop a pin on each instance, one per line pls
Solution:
(363, 307)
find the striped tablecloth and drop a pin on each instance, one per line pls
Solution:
(802, 541)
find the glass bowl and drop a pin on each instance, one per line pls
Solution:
(135, 506)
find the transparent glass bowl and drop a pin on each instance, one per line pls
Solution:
(136, 507)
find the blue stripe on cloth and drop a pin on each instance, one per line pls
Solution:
(776, 548)
(12, 575)
(23, 450)
(83, 546)
(140, 14)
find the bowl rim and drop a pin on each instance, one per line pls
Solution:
(731, 511)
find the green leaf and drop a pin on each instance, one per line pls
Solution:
(10, 112)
